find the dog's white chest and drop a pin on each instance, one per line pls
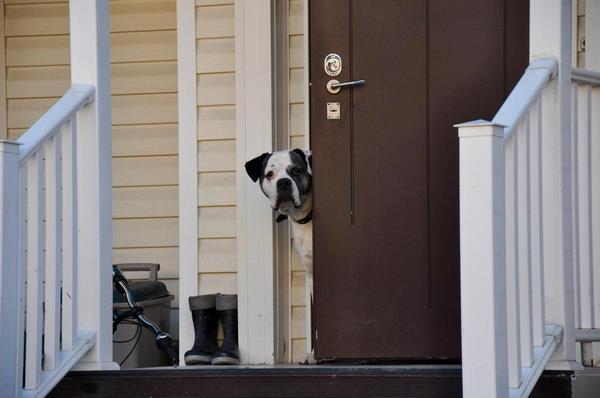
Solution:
(303, 244)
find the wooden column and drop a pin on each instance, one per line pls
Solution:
(482, 262)
(90, 63)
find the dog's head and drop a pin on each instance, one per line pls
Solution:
(285, 177)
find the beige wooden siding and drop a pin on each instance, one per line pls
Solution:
(216, 146)
(296, 134)
(144, 85)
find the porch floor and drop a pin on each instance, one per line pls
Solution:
(439, 381)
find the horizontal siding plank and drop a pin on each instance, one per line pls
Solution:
(217, 21)
(216, 122)
(298, 288)
(225, 283)
(215, 55)
(216, 189)
(298, 329)
(145, 202)
(144, 140)
(217, 255)
(144, 77)
(138, 171)
(296, 59)
(296, 264)
(216, 156)
(212, 2)
(216, 89)
(167, 257)
(144, 109)
(145, 232)
(216, 222)
(296, 119)
(298, 141)
(144, 46)
(296, 15)
(37, 51)
(299, 350)
(36, 19)
(14, 134)
(39, 81)
(296, 85)
(139, 15)
(22, 113)
(33, 1)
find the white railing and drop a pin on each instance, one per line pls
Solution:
(504, 214)
(586, 219)
(40, 334)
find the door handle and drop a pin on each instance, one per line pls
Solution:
(334, 86)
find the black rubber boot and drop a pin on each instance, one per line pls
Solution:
(205, 317)
(228, 353)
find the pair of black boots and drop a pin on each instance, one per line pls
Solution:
(206, 312)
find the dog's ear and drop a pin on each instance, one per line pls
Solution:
(305, 155)
(255, 167)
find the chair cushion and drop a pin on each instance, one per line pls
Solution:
(142, 290)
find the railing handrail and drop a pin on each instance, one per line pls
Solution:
(585, 76)
(47, 126)
(525, 93)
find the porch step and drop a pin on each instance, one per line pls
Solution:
(285, 381)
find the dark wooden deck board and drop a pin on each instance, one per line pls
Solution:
(278, 382)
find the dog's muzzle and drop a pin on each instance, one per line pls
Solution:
(285, 192)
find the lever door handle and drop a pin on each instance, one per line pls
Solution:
(334, 86)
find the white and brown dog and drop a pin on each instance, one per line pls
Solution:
(285, 177)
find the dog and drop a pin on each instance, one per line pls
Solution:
(285, 177)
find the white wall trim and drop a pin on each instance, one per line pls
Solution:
(254, 135)
(592, 35)
(188, 166)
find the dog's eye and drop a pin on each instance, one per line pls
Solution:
(269, 175)
(296, 171)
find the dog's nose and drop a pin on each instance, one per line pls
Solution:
(284, 183)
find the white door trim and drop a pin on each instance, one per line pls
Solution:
(254, 135)
(188, 169)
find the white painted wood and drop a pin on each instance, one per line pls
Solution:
(35, 270)
(10, 356)
(577, 271)
(254, 217)
(53, 253)
(512, 263)
(586, 76)
(592, 35)
(188, 179)
(58, 114)
(524, 247)
(537, 232)
(483, 270)
(90, 64)
(550, 27)
(595, 197)
(69, 234)
(22, 275)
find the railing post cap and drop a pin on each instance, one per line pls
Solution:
(546, 62)
(9, 146)
(480, 127)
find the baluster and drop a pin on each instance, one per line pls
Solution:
(594, 157)
(53, 255)
(69, 234)
(576, 264)
(524, 237)
(537, 238)
(512, 276)
(35, 271)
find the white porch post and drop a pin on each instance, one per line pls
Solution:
(90, 63)
(254, 136)
(551, 36)
(10, 356)
(482, 260)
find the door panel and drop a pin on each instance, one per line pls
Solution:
(386, 173)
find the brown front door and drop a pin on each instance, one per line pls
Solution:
(386, 235)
